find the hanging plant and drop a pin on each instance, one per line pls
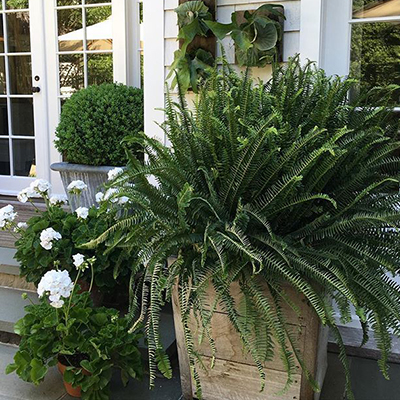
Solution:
(190, 63)
(192, 68)
(256, 38)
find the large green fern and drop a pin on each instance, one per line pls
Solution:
(266, 185)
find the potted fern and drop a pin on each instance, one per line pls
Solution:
(275, 199)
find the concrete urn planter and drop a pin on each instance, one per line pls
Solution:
(93, 176)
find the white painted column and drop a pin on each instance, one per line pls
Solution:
(310, 30)
(154, 67)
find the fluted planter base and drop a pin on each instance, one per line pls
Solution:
(93, 176)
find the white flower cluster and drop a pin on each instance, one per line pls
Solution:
(21, 226)
(82, 212)
(112, 174)
(80, 262)
(38, 187)
(56, 284)
(7, 216)
(58, 200)
(76, 187)
(112, 195)
(47, 236)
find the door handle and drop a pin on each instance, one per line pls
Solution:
(36, 89)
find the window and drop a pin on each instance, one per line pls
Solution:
(375, 43)
(85, 44)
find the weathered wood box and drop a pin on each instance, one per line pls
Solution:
(235, 376)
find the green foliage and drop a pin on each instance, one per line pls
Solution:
(256, 38)
(267, 186)
(191, 64)
(95, 120)
(112, 266)
(98, 335)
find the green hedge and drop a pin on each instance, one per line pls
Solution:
(95, 120)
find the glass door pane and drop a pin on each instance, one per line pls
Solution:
(17, 136)
(85, 44)
(375, 8)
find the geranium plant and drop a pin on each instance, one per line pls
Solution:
(57, 235)
(65, 328)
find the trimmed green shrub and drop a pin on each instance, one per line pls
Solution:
(95, 120)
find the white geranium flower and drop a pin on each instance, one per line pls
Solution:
(76, 187)
(110, 195)
(99, 197)
(55, 284)
(58, 199)
(123, 200)
(47, 236)
(79, 259)
(114, 173)
(25, 194)
(7, 216)
(40, 186)
(21, 226)
(82, 212)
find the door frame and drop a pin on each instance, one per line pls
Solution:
(11, 185)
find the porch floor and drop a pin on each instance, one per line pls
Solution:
(368, 383)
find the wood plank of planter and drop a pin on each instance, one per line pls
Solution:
(300, 301)
(235, 381)
(230, 348)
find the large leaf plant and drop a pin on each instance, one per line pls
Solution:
(191, 64)
(264, 186)
(255, 38)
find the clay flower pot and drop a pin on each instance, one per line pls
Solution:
(73, 392)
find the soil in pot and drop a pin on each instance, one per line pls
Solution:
(71, 361)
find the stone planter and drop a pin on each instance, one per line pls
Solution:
(235, 376)
(93, 176)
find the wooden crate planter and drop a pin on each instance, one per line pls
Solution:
(235, 376)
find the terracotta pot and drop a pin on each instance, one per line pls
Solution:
(73, 392)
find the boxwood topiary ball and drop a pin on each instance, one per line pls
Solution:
(95, 120)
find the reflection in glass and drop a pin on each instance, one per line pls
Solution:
(17, 4)
(20, 74)
(97, 1)
(2, 76)
(1, 34)
(99, 28)
(24, 157)
(68, 2)
(71, 73)
(3, 117)
(18, 32)
(375, 50)
(70, 32)
(100, 69)
(4, 157)
(375, 8)
(22, 117)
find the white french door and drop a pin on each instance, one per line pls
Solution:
(22, 102)
(49, 49)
